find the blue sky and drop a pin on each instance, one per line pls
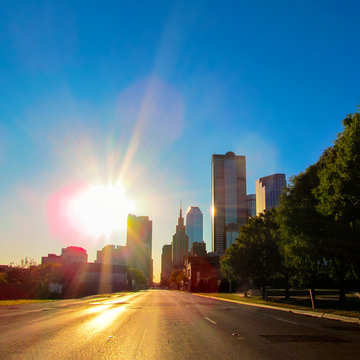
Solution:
(86, 86)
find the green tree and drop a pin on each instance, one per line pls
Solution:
(178, 278)
(338, 196)
(235, 265)
(255, 254)
(303, 229)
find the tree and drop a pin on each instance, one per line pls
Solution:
(303, 230)
(235, 265)
(178, 278)
(338, 196)
(255, 254)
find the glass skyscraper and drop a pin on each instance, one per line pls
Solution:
(194, 225)
(229, 202)
(268, 191)
(251, 201)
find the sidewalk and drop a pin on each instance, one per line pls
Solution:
(295, 311)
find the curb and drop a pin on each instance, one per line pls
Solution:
(295, 311)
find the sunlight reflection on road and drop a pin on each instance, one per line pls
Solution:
(108, 311)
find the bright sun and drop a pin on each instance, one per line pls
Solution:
(100, 210)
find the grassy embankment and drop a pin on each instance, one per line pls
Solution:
(324, 303)
(34, 301)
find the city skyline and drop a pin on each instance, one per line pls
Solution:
(148, 99)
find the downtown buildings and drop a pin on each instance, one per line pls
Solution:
(139, 242)
(229, 202)
(268, 191)
(194, 225)
(180, 243)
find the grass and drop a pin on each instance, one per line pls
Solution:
(35, 301)
(330, 305)
(21, 301)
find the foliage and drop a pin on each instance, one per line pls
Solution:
(137, 276)
(255, 254)
(177, 278)
(303, 229)
(338, 196)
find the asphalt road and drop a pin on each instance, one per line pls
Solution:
(160, 324)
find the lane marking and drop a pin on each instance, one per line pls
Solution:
(212, 321)
(287, 321)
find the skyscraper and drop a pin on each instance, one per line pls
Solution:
(180, 243)
(139, 241)
(194, 225)
(229, 203)
(166, 264)
(268, 191)
(251, 201)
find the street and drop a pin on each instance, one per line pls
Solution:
(161, 324)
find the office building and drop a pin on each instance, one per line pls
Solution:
(194, 225)
(166, 265)
(251, 201)
(198, 249)
(111, 254)
(139, 242)
(268, 191)
(69, 255)
(229, 203)
(180, 243)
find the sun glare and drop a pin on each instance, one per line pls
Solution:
(101, 210)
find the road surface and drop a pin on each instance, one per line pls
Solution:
(160, 324)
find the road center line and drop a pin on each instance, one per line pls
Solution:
(212, 321)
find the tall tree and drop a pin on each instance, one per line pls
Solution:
(338, 196)
(303, 229)
(255, 254)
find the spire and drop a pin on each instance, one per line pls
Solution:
(180, 209)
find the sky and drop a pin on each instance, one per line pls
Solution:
(145, 92)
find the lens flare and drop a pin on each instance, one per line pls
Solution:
(100, 210)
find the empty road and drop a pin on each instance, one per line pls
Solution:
(160, 324)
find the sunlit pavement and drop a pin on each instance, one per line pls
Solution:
(159, 324)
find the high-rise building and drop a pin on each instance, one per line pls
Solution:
(194, 225)
(166, 264)
(229, 204)
(111, 254)
(180, 243)
(69, 255)
(139, 241)
(251, 201)
(268, 191)
(198, 249)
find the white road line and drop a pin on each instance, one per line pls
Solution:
(287, 321)
(212, 321)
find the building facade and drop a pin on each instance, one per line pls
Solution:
(69, 255)
(229, 202)
(180, 243)
(198, 249)
(139, 243)
(112, 254)
(194, 225)
(166, 265)
(268, 191)
(251, 201)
